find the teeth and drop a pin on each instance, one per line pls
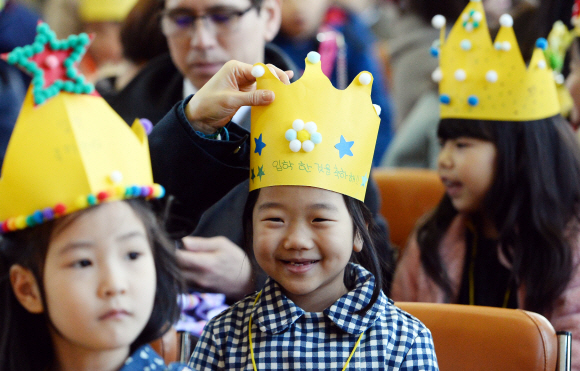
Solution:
(301, 264)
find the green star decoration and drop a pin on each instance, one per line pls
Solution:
(53, 63)
(253, 176)
(261, 172)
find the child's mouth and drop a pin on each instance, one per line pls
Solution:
(300, 266)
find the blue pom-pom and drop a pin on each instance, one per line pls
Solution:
(542, 43)
(161, 191)
(135, 191)
(473, 100)
(445, 99)
(38, 217)
(316, 138)
(434, 52)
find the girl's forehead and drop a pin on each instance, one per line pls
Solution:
(298, 196)
(108, 220)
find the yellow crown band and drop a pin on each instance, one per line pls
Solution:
(313, 134)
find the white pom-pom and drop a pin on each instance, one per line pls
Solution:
(477, 16)
(377, 109)
(559, 78)
(290, 135)
(506, 46)
(438, 21)
(365, 78)
(116, 177)
(313, 57)
(506, 20)
(465, 45)
(542, 64)
(298, 125)
(295, 145)
(437, 75)
(307, 146)
(310, 127)
(465, 17)
(469, 27)
(258, 71)
(491, 76)
(460, 75)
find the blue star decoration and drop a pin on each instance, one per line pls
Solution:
(253, 176)
(261, 172)
(259, 145)
(344, 147)
(365, 179)
(52, 63)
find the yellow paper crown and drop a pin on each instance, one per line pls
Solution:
(72, 150)
(105, 10)
(313, 134)
(479, 79)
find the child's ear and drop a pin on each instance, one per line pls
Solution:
(358, 243)
(26, 288)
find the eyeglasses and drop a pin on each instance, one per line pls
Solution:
(180, 22)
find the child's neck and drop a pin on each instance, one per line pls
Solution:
(69, 357)
(486, 227)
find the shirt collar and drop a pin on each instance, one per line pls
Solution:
(274, 312)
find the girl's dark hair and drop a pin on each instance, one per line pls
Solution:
(363, 226)
(533, 204)
(141, 35)
(24, 337)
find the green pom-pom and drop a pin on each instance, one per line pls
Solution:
(41, 39)
(70, 72)
(73, 39)
(75, 55)
(39, 98)
(37, 47)
(78, 89)
(38, 81)
(92, 200)
(12, 58)
(30, 221)
(64, 44)
(68, 86)
(58, 84)
(88, 88)
(475, 24)
(84, 38)
(27, 51)
(68, 62)
(42, 28)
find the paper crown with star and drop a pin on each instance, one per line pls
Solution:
(313, 134)
(69, 150)
(481, 79)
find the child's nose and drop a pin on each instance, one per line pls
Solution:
(298, 238)
(444, 159)
(113, 281)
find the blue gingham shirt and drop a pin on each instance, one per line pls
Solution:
(286, 337)
(145, 359)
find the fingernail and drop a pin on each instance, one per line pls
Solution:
(268, 95)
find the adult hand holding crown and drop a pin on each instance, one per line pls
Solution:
(232, 87)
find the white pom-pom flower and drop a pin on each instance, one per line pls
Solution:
(303, 136)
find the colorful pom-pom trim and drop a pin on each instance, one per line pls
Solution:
(50, 213)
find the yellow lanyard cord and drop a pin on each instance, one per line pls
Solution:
(252, 347)
(506, 296)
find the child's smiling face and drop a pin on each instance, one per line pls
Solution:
(99, 280)
(303, 239)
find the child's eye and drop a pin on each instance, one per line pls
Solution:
(275, 220)
(133, 255)
(83, 263)
(319, 220)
